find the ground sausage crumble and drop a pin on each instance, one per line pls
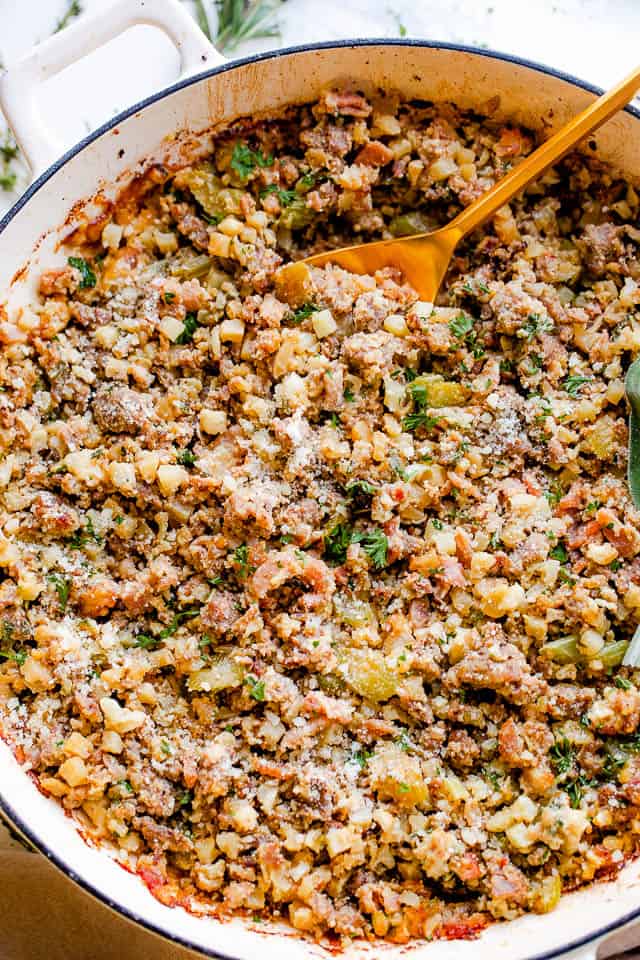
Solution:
(315, 596)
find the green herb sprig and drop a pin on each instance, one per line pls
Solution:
(243, 20)
(74, 9)
(632, 387)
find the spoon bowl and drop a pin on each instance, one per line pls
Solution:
(425, 257)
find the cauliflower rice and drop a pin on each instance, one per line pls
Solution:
(315, 596)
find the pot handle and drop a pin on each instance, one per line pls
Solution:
(20, 82)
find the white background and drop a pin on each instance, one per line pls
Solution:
(596, 40)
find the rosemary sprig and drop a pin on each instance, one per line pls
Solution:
(243, 20)
(632, 387)
(202, 19)
(8, 153)
(74, 9)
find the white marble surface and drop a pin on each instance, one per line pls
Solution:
(593, 39)
(596, 40)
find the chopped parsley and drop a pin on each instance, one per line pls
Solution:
(375, 545)
(256, 687)
(240, 557)
(81, 537)
(285, 197)
(190, 326)
(62, 587)
(87, 276)
(419, 418)
(359, 487)
(17, 656)
(460, 326)
(147, 642)
(535, 325)
(303, 312)
(559, 552)
(339, 538)
(362, 757)
(244, 160)
(336, 542)
(186, 457)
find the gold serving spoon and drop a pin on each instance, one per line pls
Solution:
(424, 258)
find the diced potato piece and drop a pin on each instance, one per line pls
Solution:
(171, 327)
(230, 226)
(9, 552)
(74, 771)
(147, 464)
(120, 719)
(367, 672)
(442, 168)
(546, 894)
(171, 477)
(601, 553)
(213, 421)
(232, 330)
(223, 674)
(112, 235)
(77, 746)
(219, 244)
(166, 242)
(112, 742)
(123, 477)
(323, 323)
(81, 464)
(498, 597)
(397, 775)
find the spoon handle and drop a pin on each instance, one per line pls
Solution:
(547, 153)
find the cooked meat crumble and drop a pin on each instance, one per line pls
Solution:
(315, 596)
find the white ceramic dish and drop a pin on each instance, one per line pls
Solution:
(528, 94)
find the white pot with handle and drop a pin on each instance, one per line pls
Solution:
(211, 94)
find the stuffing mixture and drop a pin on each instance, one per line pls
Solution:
(315, 595)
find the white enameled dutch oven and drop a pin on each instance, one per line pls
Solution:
(210, 94)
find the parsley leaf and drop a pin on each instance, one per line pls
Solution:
(375, 545)
(256, 687)
(190, 326)
(285, 197)
(87, 276)
(460, 326)
(62, 586)
(303, 312)
(362, 757)
(240, 557)
(419, 418)
(356, 487)
(186, 457)
(414, 421)
(244, 160)
(559, 552)
(336, 542)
